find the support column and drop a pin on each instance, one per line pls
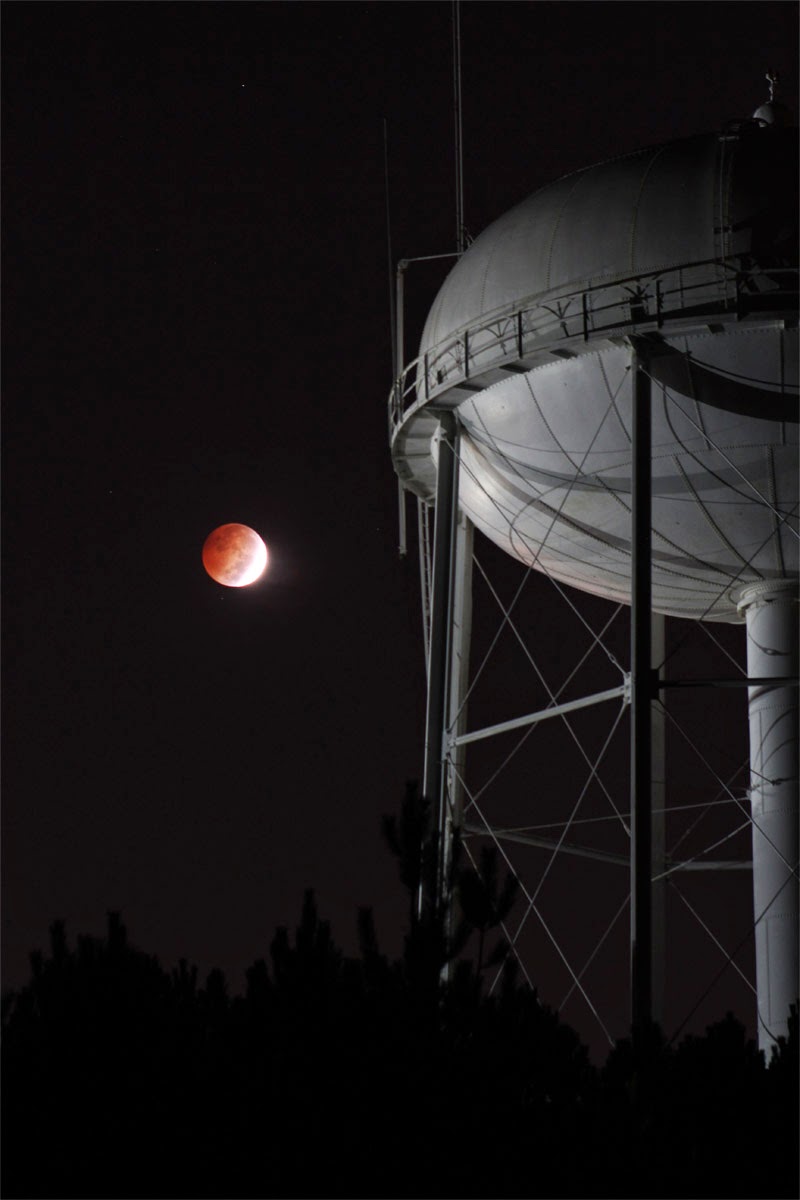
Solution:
(658, 800)
(771, 613)
(641, 695)
(425, 584)
(434, 781)
(459, 673)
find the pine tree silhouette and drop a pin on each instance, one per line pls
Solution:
(485, 903)
(356, 1077)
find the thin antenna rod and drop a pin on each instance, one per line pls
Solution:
(390, 257)
(459, 132)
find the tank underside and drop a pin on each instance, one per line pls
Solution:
(546, 470)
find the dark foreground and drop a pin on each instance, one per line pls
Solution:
(332, 1077)
(337, 1077)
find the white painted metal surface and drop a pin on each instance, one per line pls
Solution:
(547, 471)
(771, 612)
(689, 252)
(690, 245)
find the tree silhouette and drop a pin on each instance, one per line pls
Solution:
(361, 1076)
(430, 943)
(485, 903)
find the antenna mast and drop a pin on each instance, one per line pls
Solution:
(459, 135)
(392, 319)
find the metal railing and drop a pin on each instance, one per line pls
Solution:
(703, 290)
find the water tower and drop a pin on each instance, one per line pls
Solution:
(607, 389)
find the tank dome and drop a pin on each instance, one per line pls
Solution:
(773, 113)
(689, 201)
(689, 248)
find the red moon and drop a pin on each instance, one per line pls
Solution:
(234, 555)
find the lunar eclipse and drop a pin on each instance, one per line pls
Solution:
(234, 555)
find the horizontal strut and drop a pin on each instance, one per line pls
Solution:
(621, 860)
(527, 839)
(557, 710)
(745, 682)
(715, 864)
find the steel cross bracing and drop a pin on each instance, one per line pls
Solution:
(453, 774)
(503, 837)
(456, 741)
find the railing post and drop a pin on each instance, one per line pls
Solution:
(519, 334)
(466, 354)
(739, 289)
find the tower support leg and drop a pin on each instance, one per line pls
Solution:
(771, 613)
(641, 695)
(440, 652)
(460, 634)
(658, 801)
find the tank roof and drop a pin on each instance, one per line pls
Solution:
(687, 201)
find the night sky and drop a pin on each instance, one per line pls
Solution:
(196, 331)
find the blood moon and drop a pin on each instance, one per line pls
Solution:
(234, 555)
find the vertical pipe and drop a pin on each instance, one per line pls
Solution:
(399, 366)
(456, 707)
(423, 531)
(401, 509)
(459, 667)
(641, 695)
(770, 611)
(399, 341)
(658, 795)
(441, 618)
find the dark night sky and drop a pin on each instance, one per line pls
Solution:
(197, 331)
